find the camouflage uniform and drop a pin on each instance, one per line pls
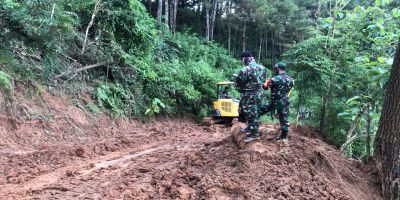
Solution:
(249, 83)
(280, 85)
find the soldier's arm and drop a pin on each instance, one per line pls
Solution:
(239, 80)
(267, 84)
(271, 83)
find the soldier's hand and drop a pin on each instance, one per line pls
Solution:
(267, 84)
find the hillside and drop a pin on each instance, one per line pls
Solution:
(68, 153)
(100, 99)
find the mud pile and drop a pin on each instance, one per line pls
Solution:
(305, 169)
(59, 151)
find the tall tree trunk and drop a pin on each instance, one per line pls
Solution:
(171, 15)
(159, 13)
(166, 12)
(229, 38)
(323, 114)
(272, 49)
(244, 36)
(213, 16)
(235, 42)
(207, 22)
(174, 16)
(218, 22)
(368, 132)
(149, 6)
(229, 26)
(387, 145)
(260, 49)
(317, 14)
(199, 19)
(266, 47)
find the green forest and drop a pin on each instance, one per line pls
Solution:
(151, 58)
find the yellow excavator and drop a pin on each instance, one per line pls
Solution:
(225, 108)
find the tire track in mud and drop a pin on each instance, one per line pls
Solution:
(84, 170)
(101, 162)
(84, 167)
(105, 171)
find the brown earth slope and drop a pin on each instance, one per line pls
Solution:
(62, 152)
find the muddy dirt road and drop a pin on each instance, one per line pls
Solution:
(178, 159)
(58, 151)
(113, 168)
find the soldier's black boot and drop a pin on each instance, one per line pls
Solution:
(245, 130)
(254, 136)
(251, 138)
(282, 136)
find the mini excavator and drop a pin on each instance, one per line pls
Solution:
(225, 107)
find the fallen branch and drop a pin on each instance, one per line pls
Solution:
(331, 166)
(81, 69)
(22, 52)
(52, 11)
(33, 121)
(14, 120)
(76, 61)
(350, 136)
(35, 57)
(349, 141)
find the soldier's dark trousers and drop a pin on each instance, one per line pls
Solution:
(241, 117)
(283, 114)
(250, 109)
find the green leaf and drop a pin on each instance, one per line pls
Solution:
(343, 114)
(147, 111)
(396, 12)
(352, 99)
(380, 21)
(156, 109)
(355, 110)
(381, 60)
(341, 15)
(373, 72)
(329, 20)
(375, 63)
(388, 1)
(372, 26)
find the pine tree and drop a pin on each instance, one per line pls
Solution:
(387, 146)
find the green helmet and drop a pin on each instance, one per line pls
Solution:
(281, 65)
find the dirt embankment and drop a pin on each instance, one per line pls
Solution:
(62, 152)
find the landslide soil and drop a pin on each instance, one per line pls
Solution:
(58, 151)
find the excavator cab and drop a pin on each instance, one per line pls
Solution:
(225, 107)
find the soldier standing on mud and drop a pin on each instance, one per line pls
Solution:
(249, 83)
(280, 85)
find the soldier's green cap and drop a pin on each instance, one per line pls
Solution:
(281, 65)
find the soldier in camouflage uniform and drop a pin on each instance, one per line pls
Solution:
(280, 85)
(249, 83)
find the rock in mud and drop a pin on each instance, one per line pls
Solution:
(80, 152)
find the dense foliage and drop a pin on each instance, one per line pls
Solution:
(339, 53)
(139, 67)
(347, 63)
